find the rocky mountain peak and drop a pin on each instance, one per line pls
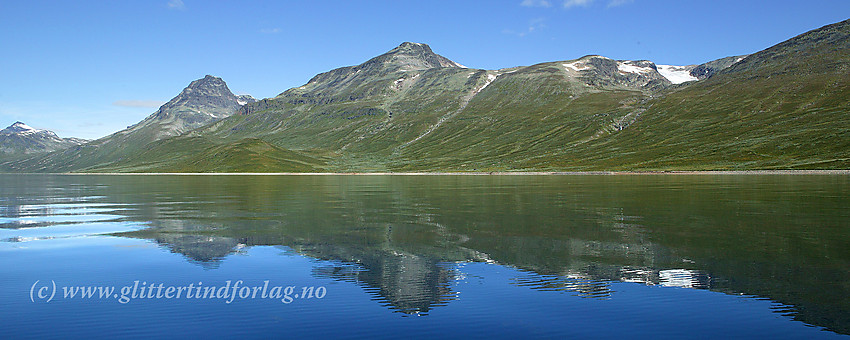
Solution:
(205, 100)
(208, 95)
(409, 56)
(208, 85)
(412, 47)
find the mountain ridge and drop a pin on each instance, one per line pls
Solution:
(410, 109)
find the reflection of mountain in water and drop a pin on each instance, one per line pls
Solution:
(201, 249)
(397, 237)
(407, 283)
(407, 265)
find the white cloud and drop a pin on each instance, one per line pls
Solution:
(271, 30)
(176, 4)
(138, 103)
(536, 3)
(533, 25)
(574, 3)
(615, 3)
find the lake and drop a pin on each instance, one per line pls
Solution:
(662, 256)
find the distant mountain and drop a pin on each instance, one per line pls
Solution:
(20, 139)
(202, 102)
(411, 109)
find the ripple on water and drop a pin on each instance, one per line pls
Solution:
(64, 218)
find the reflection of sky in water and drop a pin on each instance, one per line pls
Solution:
(63, 218)
(402, 252)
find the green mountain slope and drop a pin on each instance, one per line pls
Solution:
(202, 102)
(783, 108)
(197, 154)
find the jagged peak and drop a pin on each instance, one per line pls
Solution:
(207, 81)
(203, 95)
(208, 86)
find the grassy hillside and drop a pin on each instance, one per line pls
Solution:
(783, 108)
(522, 116)
(245, 155)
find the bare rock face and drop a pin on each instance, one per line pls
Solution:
(710, 68)
(208, 96)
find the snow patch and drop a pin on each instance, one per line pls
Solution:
(23, 126)
(490, 78)
(577, 66)
(629, 68)
(241, 102)
(676, 74)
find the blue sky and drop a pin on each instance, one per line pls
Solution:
(90, 68)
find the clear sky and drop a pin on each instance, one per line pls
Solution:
(90, 68)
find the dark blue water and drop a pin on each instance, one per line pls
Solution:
(428, 256)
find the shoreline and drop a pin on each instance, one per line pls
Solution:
(493, 173)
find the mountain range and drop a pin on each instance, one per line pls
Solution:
(411, 109)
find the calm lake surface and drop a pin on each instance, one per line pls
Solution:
(669, 256)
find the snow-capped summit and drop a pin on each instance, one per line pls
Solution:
(21, 128)
(20, 138)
